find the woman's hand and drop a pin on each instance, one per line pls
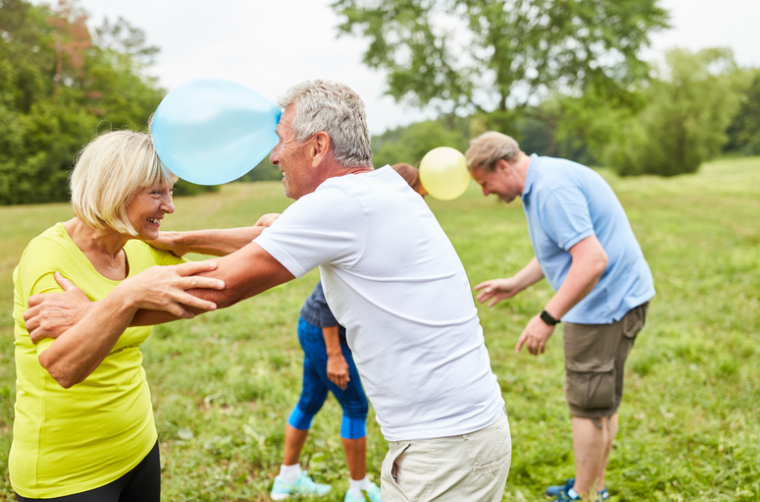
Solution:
(337, 371)
(157, 288)
(165, 288)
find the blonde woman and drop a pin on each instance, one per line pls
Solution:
(84, 428)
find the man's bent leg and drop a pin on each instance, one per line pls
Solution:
(472, 466)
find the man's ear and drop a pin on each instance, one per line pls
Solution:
(502, 166)
(319, 147)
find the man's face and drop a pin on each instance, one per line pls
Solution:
(298, 173)
(499, 181)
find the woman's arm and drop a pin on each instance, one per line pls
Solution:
(337, 367)
(216, 242)
(79, 350)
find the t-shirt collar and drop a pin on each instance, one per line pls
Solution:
(530, 176)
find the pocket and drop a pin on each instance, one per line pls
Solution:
(590, 384)
(390, 473)
(634, 321)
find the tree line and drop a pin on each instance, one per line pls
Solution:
(564, 78)
(60, 84)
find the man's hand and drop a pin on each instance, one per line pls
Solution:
(337, 371)
(50, 315)
(535, 336)
(497, 290)
(266, 220)
(157, 288)
(164, 288)
(166, 242)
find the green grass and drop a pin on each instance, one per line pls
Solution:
(223, 384)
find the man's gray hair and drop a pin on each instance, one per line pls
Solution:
(334, 108)
(489, 147)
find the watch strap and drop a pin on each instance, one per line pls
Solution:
(548, 318)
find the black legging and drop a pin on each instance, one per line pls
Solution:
(141, 484)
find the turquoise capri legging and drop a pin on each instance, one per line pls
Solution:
(316, 385)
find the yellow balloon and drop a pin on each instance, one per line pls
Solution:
(443, 173)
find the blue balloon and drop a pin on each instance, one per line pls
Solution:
(210, 131)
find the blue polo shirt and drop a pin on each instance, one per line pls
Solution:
(565, 202)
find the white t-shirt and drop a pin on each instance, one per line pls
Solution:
(393, 279)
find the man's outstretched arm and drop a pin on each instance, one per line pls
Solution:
(73, 355)
(246, 273)
(250, 271)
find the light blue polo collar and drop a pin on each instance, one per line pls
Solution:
(530, 177)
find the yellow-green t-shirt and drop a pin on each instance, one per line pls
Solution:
(72, 440)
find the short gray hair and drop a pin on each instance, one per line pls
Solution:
(336, 109)
(108, 173)
(489, 147)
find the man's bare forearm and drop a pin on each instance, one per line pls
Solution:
(245, 273)
(145, 317)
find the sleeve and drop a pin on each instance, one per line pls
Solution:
(166, 258)
(326, 317)
(36, 275)
(566, 217)
(37, 268)
(321, 228)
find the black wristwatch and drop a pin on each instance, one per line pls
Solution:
(548, 318)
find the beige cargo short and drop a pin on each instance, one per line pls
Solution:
(468, 468)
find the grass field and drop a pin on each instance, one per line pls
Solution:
(223, 384)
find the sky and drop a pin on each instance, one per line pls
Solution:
(269, 46)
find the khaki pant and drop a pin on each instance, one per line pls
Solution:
(595, 356)
(468, 468)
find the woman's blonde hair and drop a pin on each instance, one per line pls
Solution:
(108, 173)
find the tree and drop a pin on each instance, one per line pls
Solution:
(121, 38)
(684, 122)
(485, 55)
(532, 127)
(71, 39)
(58, 89)
(582, 126)
(409, 144)
(264, 171)
(744, 131)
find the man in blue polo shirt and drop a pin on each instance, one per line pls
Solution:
(585, 247)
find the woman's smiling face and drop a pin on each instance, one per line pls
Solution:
(148, 207)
